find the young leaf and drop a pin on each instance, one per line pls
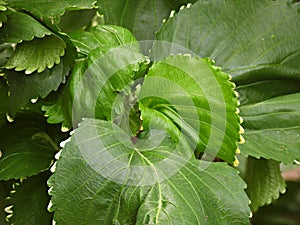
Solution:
(21, 27)
(27, 146)
(29, 201)
(140, 16)
(117, 182)
(200, 100)
(264, 180)
(37, 55)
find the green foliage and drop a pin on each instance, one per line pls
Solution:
(155, 125)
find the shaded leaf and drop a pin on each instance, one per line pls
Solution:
(23, 87)
(49, 11)
(27, 145)
(3, 101)
(284, 211)
(200, 100)
(5, 188)
(37, 55)
(135, 186)
(21, 27)
(30, 200)
(264, 180)
(140, 16)
(69, 20)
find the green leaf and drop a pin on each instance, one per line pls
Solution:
(271, 122)
(69, 20)
(117, 182)
(101, 36)
(27, 145)
(200, 100)
(23, 87)
(37, 55)
(21, 27)
(49, 11)
(140, 16)
(30, 200)
(257, 42)
(103, 55)
(264, 180)
(61, 110)
(3, 101)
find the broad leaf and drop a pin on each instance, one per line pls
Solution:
(142, 17)
(27, 145)
(271, 115)
(264, 180)
(29, 201)
(200, 99)
(6, 50)
(37, 55)
(252, 41)
(88, 78)
(113, 181)
(49, 11)
(21, 27)
(23, 87)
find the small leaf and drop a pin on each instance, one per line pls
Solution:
(27, 145)
(21, 27)
(135, 186)
(264, 180)
(30, 200)
(23, 87)
(37, 54)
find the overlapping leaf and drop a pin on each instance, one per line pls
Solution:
(122, 63)
(200, 100)
(37, 55)
(254, 41)
(21, 27)
(29, 201)
(23, 87)
(49, 11)
(271, 117)
(5, 188)
(264, 181)
(143, 18)
(113, 181)
(27, 146)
